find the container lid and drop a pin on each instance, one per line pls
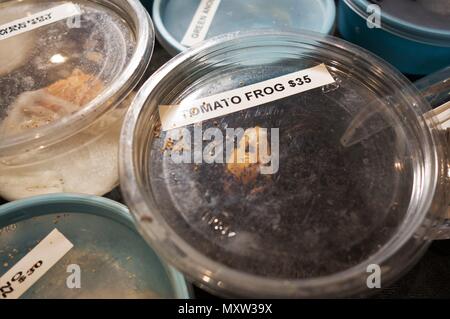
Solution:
(181, 23)
(108, 259)
(422, 20)
(275, 164)
(66, 63)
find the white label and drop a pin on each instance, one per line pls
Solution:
(190, 112)
(199, 27)
(34, 265)
(38, 20)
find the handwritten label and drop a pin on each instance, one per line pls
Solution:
(34, 265)
(38, 20)
(201, 22)
(190, 112)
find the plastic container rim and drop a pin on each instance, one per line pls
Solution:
(115, 92)
(401, 27)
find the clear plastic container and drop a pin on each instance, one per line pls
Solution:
(436, 87)
(361, 177)
(148, 4)
(68, 81)
(414, 36)
(108, 256)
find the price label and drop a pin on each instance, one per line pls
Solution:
(34, 265)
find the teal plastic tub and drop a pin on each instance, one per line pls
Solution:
(172, 18)
(114, 261)
(414, 35)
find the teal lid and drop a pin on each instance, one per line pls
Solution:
(173, 18)
(425, 21)
(114, 261)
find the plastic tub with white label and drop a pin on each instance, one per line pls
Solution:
(66, 79)
(93, 252)
(273, 164)
(182, 23)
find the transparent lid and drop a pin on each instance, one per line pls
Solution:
(185, 23)
(335, 164)
(62, 58)
(423, 20)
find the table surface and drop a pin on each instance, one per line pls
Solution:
(430, 278)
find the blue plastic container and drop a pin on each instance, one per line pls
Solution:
(414, 35)
(115, 261)
(172, 18)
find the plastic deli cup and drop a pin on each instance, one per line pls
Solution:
(68, 246)
(182, 23)
(66, 79)
(270, 164)
(414, 36)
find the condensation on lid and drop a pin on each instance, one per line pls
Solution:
(58, 62)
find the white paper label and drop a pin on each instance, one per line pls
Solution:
(38, 20)
(199, 27)
(34, 265)
(190, 112)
